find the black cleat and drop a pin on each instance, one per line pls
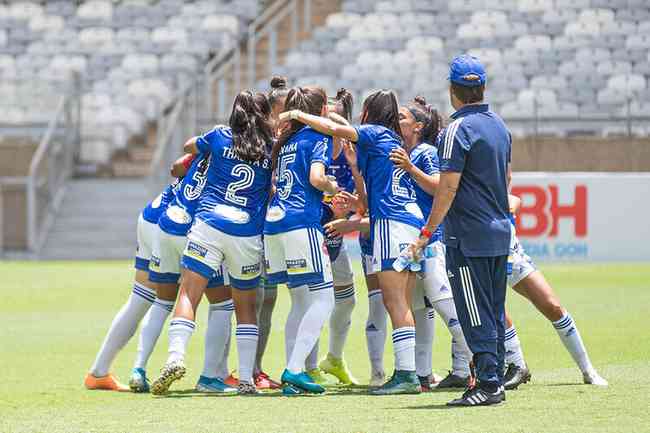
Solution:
(453, 381)
(515, 376)
(479, 397)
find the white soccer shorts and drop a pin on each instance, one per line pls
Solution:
(297, 257)
(342, 268)
(366, 264)
(390, 238)
(522, 264)
(208, 249)
(145, 233)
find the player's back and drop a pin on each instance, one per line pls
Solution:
(155, 208)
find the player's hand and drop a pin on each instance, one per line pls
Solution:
(345, 202)
(339, 227)
(331, 187)
(401, 159)
(416, 247)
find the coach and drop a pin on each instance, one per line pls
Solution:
(472, 198)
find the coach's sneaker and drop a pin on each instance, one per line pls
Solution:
(213, 385)
(515, 376)
(263, 381)
(138, 381)
(479, 397)
(377, 379)
(402, 382)
(246, 388)
(319, 377)
(339, 369)
(303, 381)
(591, 377)
(108, 383)
(169, 374)
(453, 381)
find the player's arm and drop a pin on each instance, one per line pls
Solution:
(319, 180)
(322, 124)
(445, 195)
(350, 154)
(191, 147)
(342, 226)
(514, 203)
(428, 183)
(181, 165)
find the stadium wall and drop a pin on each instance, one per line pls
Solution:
(15, 157)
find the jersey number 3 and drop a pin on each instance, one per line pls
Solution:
(247, 177)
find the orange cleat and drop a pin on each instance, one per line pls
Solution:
(263, 381)
(231, 381)
(108, 382)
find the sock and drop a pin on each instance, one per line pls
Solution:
(247, 337)
(297, 311)
(404, 348)
(460, 353)
(425, 320)
(122, 328)
(311, 362)
(514, 354)
(180, 331)
(376, 331)
(264, 322)
(217, 339)
(341, 320)
(570, 336)
(151, 329)
(320, 303)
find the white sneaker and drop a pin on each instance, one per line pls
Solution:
(592, 377)
(377, 379)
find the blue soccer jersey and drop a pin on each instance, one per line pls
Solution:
(179, 216)
(296, 203)
(425, 157)
(340, 169)
(389, 188)
(152, 212)
(478, 145)
(236, 192)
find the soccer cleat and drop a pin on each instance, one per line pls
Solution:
(303, 381)
(245, 388)
(592, 377)
(213, 385)
(138, 381)
(339, 369)
(515, 376)
(319, 377)
(290, 391)
(108, 383)
(479, 397)
(377, 379)
(263, 381)
(231, 380)
(452, 381)
(402, 382)
(170, 373)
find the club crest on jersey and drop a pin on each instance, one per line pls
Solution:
(250, 269)
(296, 266)
(196, 250)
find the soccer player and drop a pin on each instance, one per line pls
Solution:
(529, 282)
(227, 230)
(293, 239)
(142, 297)
(394, 217)
(472, 198)
(420, 125)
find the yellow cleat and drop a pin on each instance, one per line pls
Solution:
(339, 369)
(320, 378)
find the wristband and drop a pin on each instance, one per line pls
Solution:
(187, 161)
(426, 232)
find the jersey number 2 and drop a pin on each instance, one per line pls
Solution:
(247, 176)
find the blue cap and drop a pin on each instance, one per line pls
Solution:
(467, 71)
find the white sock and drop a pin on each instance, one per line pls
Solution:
(570, 336)
(425, 320)
(341, 320)
(376, 331)
(320, 303)
(180, 331)
(514, 354)
(247, 336)
(151, 328)
(264, 322)
(311, 362)
(222, 367)
(297, 311)
(217, 339)
(404, 348)
(460, 353)
(122, 328)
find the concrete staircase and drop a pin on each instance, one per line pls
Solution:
(97, 219)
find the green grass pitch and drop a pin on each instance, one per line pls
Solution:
(54, 315)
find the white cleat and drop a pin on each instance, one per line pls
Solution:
(593, 378)
(377, 379)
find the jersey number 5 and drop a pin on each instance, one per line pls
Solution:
(285, 177)
(247, 177)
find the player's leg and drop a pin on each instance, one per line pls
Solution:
(262, 380)
(126, 321)
(425, 320)
(376, 325)
(516, 368)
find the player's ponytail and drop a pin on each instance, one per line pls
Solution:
(251, 132)
(279, 90)
(342, 104)
(428, 116)
(381, 108)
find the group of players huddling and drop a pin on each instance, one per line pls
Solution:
(267, 200)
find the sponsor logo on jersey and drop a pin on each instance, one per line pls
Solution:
(154, 262)
(296, 266)
(196, 250)
(250, 269)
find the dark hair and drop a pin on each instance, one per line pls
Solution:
(468, 95)
(251, 131)
(381, 109)
(310, 100)
(428, 116)
(278, 90)
(343, 103)
(262, 102)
